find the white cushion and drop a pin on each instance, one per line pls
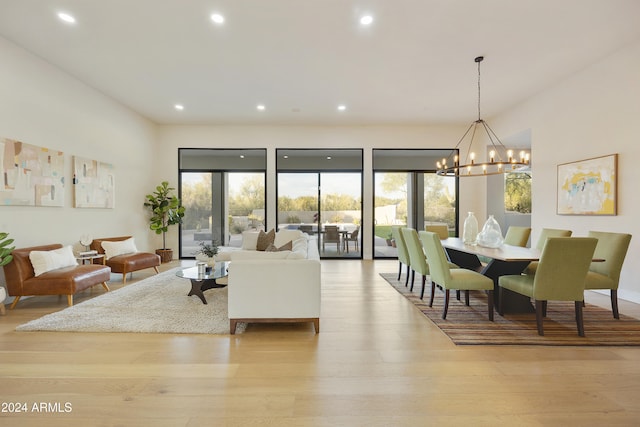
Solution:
(122, 247)
(250, 240)
(251, 255)
(43, 261)
(285, 236)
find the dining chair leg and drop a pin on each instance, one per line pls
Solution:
(424, 281)
(399, 270)
(490, 304)
(458, 294)
(433, 291)
(579, 318)
(466, 298)
(406, 280)
(539, 316)
(544, 308)
(500, 299)
(614, 303)
(446, 304)
(413, 277)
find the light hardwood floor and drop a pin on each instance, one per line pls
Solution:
(377, 362)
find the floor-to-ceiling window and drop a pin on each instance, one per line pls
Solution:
(320, 192)
(223, 192)
(408, 192)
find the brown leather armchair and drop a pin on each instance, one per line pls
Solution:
(127, 263)
(21, 280)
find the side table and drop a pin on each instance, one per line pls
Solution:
(84, 258)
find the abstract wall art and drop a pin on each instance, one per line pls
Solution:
(588, 187)
(93, 184)
(30, 175)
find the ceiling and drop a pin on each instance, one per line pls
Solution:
(302, 58)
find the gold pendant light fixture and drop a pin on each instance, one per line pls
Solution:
(501, 159)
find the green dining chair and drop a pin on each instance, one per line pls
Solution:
(560, 276)
(416, 256)
(544, 235)
(517, 236)
(403, 254)
(612, 247)
(452, 278)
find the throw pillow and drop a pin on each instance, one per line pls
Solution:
(249, 240)
(43, 261)
(121, 247)
(265, 239)
(274, 248)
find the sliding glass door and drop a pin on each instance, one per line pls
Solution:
(318, 194)
(222, 198)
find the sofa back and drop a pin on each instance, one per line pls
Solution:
(20, 268)
(96, 245)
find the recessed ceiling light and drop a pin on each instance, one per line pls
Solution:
(67, 18)
(179, 107)
(366, 20)
(217, 18)
(286, 157)
(328, 157)
(260, 107)
(242, 156)
(342, 107)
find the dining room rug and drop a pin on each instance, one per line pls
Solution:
(470, 325)
(158, 304)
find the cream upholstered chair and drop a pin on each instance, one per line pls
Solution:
(560, 276)
(612, 247)
(544, 235)
(452, 278)
(403, 253)
(416, 255)
(517, 236)
(442, 230)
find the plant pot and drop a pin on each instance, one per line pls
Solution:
(166, 255)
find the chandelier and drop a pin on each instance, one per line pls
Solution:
(501, 160)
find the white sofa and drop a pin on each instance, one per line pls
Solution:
(275, 286)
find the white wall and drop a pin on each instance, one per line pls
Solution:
(272, 137)
(592, 113)
(43, 106)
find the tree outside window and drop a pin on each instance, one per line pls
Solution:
(517, 192)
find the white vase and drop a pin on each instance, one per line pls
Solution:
(491, 234)
(470, 229)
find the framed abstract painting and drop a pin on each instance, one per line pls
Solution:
(588, 187)
(93, 183)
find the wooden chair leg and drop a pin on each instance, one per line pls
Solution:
(413, 277)
(544, 308)
(446, 304)
(406, 280)
(14, 303)
(232, 326)
(490, 304)
(124, 277)
(579, 318)
(458, 294)
(433, 291)
(399, 270)
(466, 298)
(539, 317)
(105, 286)
(614, 303)
(70, 300)
(500, 299)
(316, 325)
(2, 309)
(424, 281)
(156, 269)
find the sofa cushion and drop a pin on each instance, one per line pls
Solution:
(258, 255)
(284, 236)
(43, 261)
(249, 240)
(113, 249)
(299, 249)
(265, 239)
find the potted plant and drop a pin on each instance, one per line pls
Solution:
(5, 251)
(207, 252)
(166, 210)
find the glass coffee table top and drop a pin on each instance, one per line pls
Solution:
(208, 280)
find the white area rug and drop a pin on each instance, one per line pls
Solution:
(158, 304)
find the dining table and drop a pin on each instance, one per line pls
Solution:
(493, 263)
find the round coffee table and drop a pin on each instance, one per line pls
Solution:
(203, 282)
